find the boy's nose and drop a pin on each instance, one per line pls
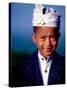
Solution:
(48, 41)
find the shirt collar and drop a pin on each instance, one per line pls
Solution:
(42, 58)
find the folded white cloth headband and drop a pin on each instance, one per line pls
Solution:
(47, 17)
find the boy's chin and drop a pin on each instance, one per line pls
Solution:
(47, 54)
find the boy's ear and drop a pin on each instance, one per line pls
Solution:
(59, 35)
(33, 37)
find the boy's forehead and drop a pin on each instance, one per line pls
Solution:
(45, 30)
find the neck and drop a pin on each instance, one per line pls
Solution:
(47, 57)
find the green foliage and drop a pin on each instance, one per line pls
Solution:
(16, 56)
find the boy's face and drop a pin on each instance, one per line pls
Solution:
(45, 39)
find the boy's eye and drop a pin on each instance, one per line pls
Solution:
(50, 37)
(43, 37)
(53, 37)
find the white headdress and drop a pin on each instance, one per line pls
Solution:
(47, 17)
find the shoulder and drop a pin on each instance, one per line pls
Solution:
(59, 60)
(28, 60)
(59, 57)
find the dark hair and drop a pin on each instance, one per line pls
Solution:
(35, 28)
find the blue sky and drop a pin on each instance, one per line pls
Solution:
(21, 27)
